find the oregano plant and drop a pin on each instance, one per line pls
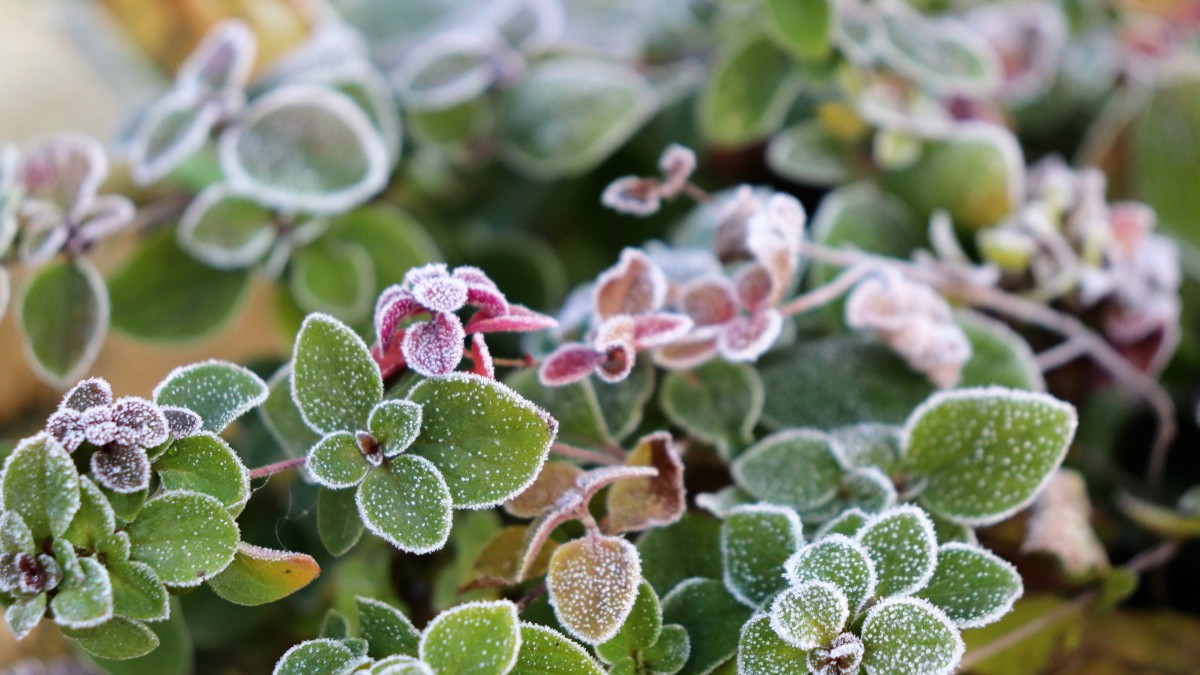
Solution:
(774, 336)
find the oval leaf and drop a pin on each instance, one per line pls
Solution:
(719, 403)
(909, 635)
(756, 540)
(64, 316)
(545, 651)
(261, 575)
(475, 637)
(407, 503)
(335, 382)
(204, 463)
(794, 468)
(593, 583)
(41, 485)
(903, 546)
(972, 586)
(187, 537)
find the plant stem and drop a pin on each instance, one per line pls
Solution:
(532, 596)
(277, 467)
(826, 294)
(584, 454)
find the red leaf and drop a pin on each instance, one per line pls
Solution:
(440, 294)
(656, 330)
(689, 352)
(756, 289)
(518, 319)
(747, 337)
(481, 358)
(568, 364)
(708, 300)
(395, 304)
(635, 285)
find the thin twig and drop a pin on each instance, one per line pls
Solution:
(532, 596)
(826, 294)
(1061, 354)
(584, 454)
(277, 467)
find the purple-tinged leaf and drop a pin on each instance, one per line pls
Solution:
(108, 214)
(635, 285)
(481, 358)
(395, 305)
(181, 421)
(122, 469)
(223, 59)
(139, 422)
(688, 352)
(88, 393)
(66, 425)
(657, 330)
(632, 195)
(709, 300)
(569, 363)
(518, 319)
(747, 337)
(440, 294)
(98, 426)
(65, 170)
(676, 164)
(434, 347)
(482, 291)
(755, 288)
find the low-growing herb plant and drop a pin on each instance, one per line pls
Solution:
(754, 442)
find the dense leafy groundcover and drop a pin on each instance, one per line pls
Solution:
(762, 442)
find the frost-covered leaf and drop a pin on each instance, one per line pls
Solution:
(94, 520)
(385, 629)
(118, 639)
(545, 651)
(1007, 441)
(335, 382)
(688, 549)
(810, 615)
(593, 583)
(218, 391)
(944, 55)
(837, 559)
(337, 461)
(762, 652)
(205, 463)
(794, 468)
(163, 294)
(187, 537)
(576, 406)
(125, 506)
(400, 665)
(123, 469)
(40, 484)
(182, 422)
(756, 540)
(170, 131)
(23, 615)
(85, 597)
(434, 347)
(751, 88)
(222, 60)
(807, 153)
(999, 356)
(973, 586)
(282, 417)
(137, 591)
(335, 277)
(641, 503)
(487, 442)
(305, 148)
(318, 656)
(555, 479)
(848, 522)
(475, 637)
(847, 379)
(65, 169)
(407, 503)
(712, 618)
(639, 630)
(226, 230)
(804, 27)
(15, 536)
(395, 424)
(338, 523)
(909, 635)
(903, 546)
(261, 575)
(64, 316)
(867, 445)
(623, 403)
(446, 70)
(718, 403)
(568, 113)
(670, 652)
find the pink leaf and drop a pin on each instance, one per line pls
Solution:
(416, 275)
(395, 305)
(689, 352)
(676, 164)
(656, 330)
(618, 362)
(635, 285)
(440, 294)
(747, 337)
(518, 320)
(632, 195)
(481, 291)
(773, 237)
(434, 347)
(391, 360)
(481, 358)
(569, 363)
(755, 287)
(708, 300)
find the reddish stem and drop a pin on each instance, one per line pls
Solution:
(277, 467)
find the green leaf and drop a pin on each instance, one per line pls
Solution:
(810, 615)
(848, 523)
(569, 113)
(974, 587)
(712, 617)
(909, 635)
(762, 652)
(396, 425)
(640, 630)
(847, 379)
(318, 656)
(329, 172)
(1164, 136)
(338, 522)
(173, 656)
(407, 503)
(165, 295)
(334, 277)
(803, 27)
(125, 506)
(807, 153)
(623, 403)
(40, 484)
(475, 637)
(837, 559)
(85, 597)
(283, 419)
(719, 403)
(218, 391)
(756, 540)
(335, 382)
(394, 240)
(137, 591)
(64, 315)
(867, 218)
(400, 665)
(15, 536)
(999, 356)
(24, 615)
(689, 548)
(187, 537)
(576, 406)
(1005, 441)
(903, 546)
(545, 651)
(335, 626)
(749, 92)
(94, 520)
(261, 575)
(206, 464)
(386, 629)
(593, 583)
(117, 638)
(975, 173)
(337, 462)
(794, 468)
(226, 230)
(945, 56)
(487, 441)
(670, 653)
(867, 445)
